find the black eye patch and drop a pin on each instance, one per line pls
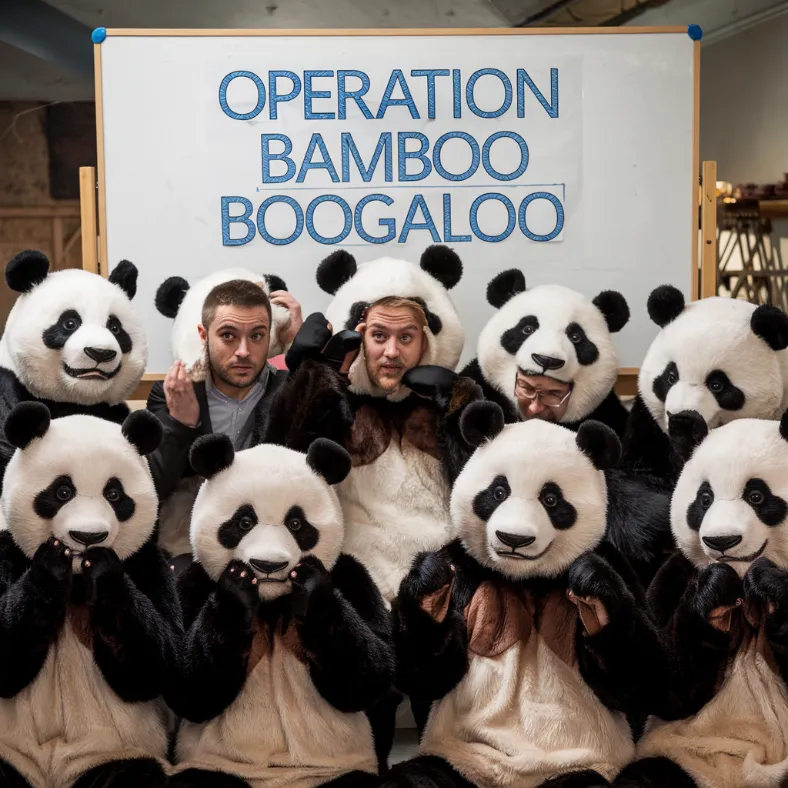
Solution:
(356, 315)
(305, 534)
(433, 321)
(512, 339)
(490, 498)
(56, 336)
(696, 511)
(770, 508)
(587, 352)
(115, 327)
(52, 499)
(115, 495)
(727, 395)
(665, 381)
(232, 531)
(561, 513)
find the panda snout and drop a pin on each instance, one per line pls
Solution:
(268, 567)
(100, 355)
(88, 538)
(722, 543)
(547, 362)
(514, 540)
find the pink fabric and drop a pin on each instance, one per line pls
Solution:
(278, 361)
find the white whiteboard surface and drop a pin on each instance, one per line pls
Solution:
(621, 158)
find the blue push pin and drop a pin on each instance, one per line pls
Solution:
(695, 32)
(98, 35)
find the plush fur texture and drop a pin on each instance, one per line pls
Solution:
(88, 634)
(73, 336)
(552, 324)
(175, 298)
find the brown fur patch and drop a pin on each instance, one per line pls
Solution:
(79, 618)
(436, 604)
(420, 430)
(369, 437)
(464, 392)
(497, 619)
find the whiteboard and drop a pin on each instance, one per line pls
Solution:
(569, 154)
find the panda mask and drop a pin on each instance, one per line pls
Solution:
(554, 331)
(176, 299)
(531, 514)
(267, 506)
(720, 357)
(730, 503)
(72, 336)
(355, 287)
(80, 479)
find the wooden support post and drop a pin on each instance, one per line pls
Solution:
(57, 242)
(708, 230)
(87, 204)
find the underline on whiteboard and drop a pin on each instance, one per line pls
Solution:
(407, 186)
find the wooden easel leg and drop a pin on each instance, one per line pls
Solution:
(87, 206)
(708, 230)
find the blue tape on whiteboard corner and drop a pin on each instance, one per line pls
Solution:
(98, 35)
(695, 32)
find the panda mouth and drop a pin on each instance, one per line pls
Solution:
(521, 556)
(92, 373)
(744, 559)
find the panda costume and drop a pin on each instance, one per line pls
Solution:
(176, 299)
(288, 639)
(722, 602)
(89, 615)
(714, 361)
(554, 331)
(528, 632)
(71, 341)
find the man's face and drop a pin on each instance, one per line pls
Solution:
(237, 342)
(541, 397)
(394, 342)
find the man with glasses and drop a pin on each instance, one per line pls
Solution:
(541, 397)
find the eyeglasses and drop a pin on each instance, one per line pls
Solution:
(552, 399)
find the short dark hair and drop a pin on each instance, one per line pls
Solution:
(236, 292)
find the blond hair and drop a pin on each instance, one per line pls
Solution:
(400, 302)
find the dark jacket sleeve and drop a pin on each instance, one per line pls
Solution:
(170, 462)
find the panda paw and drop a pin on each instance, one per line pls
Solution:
(238, 583)
(597, 590)
(766, 583)
(718, 592)
(430, 573)
(53, 561)
(312, 337)
(102, 567)
(433, 382)
(311, 581)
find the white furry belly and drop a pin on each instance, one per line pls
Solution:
(523, 717)
(394, 508)
(68, 720)
(279, 731)
(739, 739)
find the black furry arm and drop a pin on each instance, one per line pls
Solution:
(473, 371)
(430, 632)
(612, 412)
(646, 449)
(32, 609)
(135, 620)
(453, 449)
(213, 663)
(351, 659)
(312, 403)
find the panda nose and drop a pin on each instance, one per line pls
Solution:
(547, 362)
(722, 543)
(514, 540)
(88, 538)
(269, 567)
(100, 354)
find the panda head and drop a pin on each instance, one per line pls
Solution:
(81, 479)
(72, 336)
(554, 331)
(730, 503)
(531, 512)
(355, 287)
(720, 357)
(267, 506)
(176, 299)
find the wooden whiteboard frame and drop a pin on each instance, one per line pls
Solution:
(627, 381)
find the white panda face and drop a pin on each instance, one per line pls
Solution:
(529, 502)
(554, 331)
(83, 483)
(176, 297)
(75, 338)
(268, 509)
(731, 501)
(710, 360)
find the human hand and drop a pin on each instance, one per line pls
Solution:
(284, 299)
(180, 397)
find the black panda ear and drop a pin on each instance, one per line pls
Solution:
(784, 426)
(211, 454)
(329, 460)
(124, 275)
(28, 420)
(665, 304)
(274, 282)
(599, 443)
(170, 295)
(505, 286)
(615, 309)
(335, 270)
(143, 431)
(26, 270)
(771, 324)
(443, 264)
(481, 421)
